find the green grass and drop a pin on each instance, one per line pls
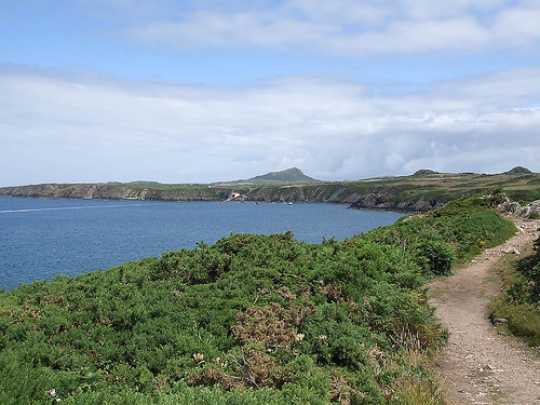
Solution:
(391, 191)
(249, 320)
(444, 187)
(519, 303)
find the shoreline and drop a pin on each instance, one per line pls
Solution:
(347, 205)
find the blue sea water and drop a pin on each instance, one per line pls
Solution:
(42, 238)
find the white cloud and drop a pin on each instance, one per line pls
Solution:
(434, 9)
(519, 25)
(55, 128)
(352, 27)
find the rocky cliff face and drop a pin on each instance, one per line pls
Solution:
(374, 198)
(114, 192)
(381, 201)
(515, 209)
(386, 198)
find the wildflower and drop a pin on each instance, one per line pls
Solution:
(198, 357)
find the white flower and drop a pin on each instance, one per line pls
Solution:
(198, 357)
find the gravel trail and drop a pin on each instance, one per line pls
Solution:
(479, 366)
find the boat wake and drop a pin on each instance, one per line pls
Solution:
(81, 207)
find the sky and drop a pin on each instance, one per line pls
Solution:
(199, 91)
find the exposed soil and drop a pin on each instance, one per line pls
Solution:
(479, 366)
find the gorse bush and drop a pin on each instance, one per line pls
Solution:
(525, 287)
(250, 319)
(450, 235)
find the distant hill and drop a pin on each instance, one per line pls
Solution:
(519, 170)
(425, 172)
(292, 175)
(420, 192)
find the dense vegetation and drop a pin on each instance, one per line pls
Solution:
(519, 305)
(251, 319)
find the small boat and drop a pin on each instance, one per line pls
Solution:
(290, 203)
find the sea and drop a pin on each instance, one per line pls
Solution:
(42, 238)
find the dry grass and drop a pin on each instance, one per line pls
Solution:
(415, 389)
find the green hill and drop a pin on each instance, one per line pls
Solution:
(293, 175)
(519, 170)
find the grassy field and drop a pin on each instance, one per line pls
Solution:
(445, 187)
(446, 181)
(450, 185)
(249, 320)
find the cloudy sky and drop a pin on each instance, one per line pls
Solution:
(201, 90)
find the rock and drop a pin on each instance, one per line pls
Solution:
(499, 321)
(422, 205)
(534, 209)
(510, 207)
(516, 209)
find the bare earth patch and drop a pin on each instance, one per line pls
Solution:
(479, 366)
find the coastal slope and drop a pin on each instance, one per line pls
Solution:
(251, 319)
(422, 191)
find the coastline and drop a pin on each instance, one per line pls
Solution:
(379, 199)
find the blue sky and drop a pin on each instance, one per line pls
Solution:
(189, 91)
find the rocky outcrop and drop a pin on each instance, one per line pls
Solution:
(376, 201)
(515, 209)
(386, 198)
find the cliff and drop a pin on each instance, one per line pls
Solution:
(420, 192)
(117, 191)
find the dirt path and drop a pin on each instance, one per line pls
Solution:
(479, 366)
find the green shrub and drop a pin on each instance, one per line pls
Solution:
(251, 319)
(436, 257)
(519, 303)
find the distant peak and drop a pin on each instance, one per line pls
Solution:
(519, 170)
(293, 174)
(292, 170)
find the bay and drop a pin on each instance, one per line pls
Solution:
(41, 238)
